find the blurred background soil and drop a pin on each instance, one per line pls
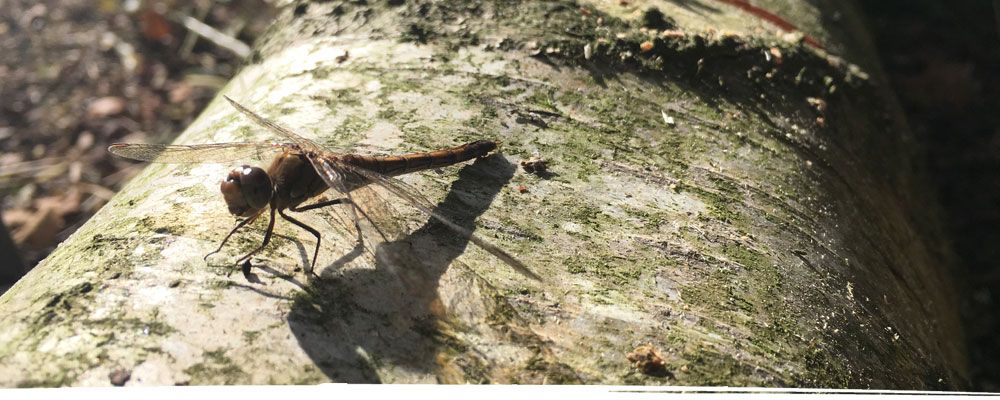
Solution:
(77, 75)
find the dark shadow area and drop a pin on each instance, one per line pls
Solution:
(943, 60)
(261, 290)
(352, 321)
(11, 266)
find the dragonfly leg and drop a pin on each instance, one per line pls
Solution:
(314, 206)
(308, 228)
(321, 204)
(317, 205)
(267, 239)
(238, 226)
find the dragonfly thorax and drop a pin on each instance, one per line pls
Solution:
(247, 190)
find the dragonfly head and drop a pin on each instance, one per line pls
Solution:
(246, 190)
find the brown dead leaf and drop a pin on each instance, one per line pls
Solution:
(535, 165)
(16, 217)
(40, 230)
(648, 360)
(155, 26)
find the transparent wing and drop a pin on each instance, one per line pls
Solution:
(363, 215)
(197, 153)
(343, 177)
(343, 184)
(369, 219)
(374, 210)
(378, 211)
(285, 133)
(341, 223)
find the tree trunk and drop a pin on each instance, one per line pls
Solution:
(726, 203)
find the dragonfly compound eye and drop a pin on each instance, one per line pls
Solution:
(246, 190)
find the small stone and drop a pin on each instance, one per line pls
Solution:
(775, 55)
(667, 119)
(343, 57)
(119, 376)
(817, 103)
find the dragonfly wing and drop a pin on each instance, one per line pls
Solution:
(196, 153)
(344, 174)
(282, 131)
(374, 208)
(360, 208)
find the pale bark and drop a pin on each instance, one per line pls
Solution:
(695, 203)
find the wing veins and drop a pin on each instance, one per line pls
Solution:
(219, 153)
(418, 202)
(274, 127)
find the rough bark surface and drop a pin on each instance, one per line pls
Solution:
(744, 203)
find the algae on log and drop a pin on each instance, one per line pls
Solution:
(743, 202)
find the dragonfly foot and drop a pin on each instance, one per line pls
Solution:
(250, 277)
(244, 267)
(208, 255)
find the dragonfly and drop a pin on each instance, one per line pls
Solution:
(302, 170)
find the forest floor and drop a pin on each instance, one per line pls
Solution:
(81, 74)
(78, 75)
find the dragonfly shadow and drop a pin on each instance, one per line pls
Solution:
(356, 320)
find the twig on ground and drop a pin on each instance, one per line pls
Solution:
(214, 35)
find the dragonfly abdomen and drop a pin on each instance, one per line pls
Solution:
(412, 162)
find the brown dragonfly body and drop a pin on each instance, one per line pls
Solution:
(295, 180)
(302, 170)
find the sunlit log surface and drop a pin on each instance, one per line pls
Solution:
(728, 201)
